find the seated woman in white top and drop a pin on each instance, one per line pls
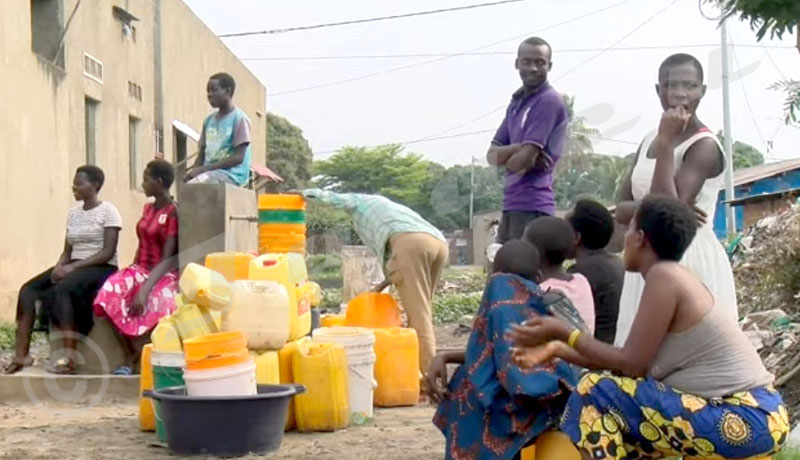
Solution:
(686, 383)
(68, 289)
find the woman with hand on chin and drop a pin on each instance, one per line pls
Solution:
(682, 159)
(686, 383)
(67, 290)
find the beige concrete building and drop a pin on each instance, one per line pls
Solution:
(104, 82)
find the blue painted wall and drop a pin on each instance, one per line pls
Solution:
(787, 181)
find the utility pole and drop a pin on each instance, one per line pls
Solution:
(726, 116)
(471, 190)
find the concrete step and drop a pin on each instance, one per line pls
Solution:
(36, 386)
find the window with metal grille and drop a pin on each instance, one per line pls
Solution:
(93, 68)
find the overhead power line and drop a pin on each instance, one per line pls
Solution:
(601, 51)
(747, 102)
(367, 20)
(618, 41)
(449, 56)
(496, 53)
(466, 134)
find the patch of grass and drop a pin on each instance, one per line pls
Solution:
(449, 308)
(788, 454)
(331, 300)
(7, 331)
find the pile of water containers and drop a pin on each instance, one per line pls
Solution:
(355, 361)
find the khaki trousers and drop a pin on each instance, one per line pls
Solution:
(414, 268)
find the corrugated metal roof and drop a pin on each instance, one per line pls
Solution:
(749, 175)
(763, 196)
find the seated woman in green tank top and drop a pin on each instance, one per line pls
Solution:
(686, 383)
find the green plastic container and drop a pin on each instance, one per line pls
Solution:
(167, 372)
(271, 216)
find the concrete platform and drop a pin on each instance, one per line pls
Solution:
(36, 386)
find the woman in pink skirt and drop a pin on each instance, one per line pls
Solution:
(135, 298)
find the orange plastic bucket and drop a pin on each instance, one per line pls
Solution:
(282, 228)
(272, 201)
(373, 310)
(212, 351)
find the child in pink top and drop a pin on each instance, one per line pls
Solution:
(555, 240)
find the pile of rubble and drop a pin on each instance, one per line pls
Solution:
(766, 265)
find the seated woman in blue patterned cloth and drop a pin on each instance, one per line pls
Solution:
(686, 383)
(491, 409)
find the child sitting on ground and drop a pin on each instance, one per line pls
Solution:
(555, 241)
(491, 409)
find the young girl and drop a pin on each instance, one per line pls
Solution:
(491, 409)
(67, 289)
(686, 383)
(135, 298)
(556, 240)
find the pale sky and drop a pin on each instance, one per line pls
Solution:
(614, 88)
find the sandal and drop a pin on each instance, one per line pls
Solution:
(123, 370)
(62, 366)
(15, 366)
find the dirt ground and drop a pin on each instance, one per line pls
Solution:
(112, 432)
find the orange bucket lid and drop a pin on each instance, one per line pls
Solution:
(216, 350)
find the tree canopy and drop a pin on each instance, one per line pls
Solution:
(776, 18)
(288, 154)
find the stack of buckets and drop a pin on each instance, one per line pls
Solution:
(359, 347)
(281, 224)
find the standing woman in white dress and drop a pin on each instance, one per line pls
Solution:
(682, 159)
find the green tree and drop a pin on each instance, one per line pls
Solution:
(776, 18)
(744, 155)
(579, 136)
(288, 154)
(589, 175)
(450, 196)
(386, 170)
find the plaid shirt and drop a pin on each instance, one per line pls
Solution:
(376, 218)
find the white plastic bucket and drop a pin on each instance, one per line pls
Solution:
(167, 359)
(239, 380)
(359, 344)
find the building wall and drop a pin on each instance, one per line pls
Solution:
(758, 209)
(481, 236)
(34, 162)
(787, 181)
(43, 126)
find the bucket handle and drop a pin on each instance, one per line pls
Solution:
(212, 356)
(371, 380)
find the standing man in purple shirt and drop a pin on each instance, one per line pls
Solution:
(529, 142)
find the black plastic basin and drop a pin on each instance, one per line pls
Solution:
(225, 425)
